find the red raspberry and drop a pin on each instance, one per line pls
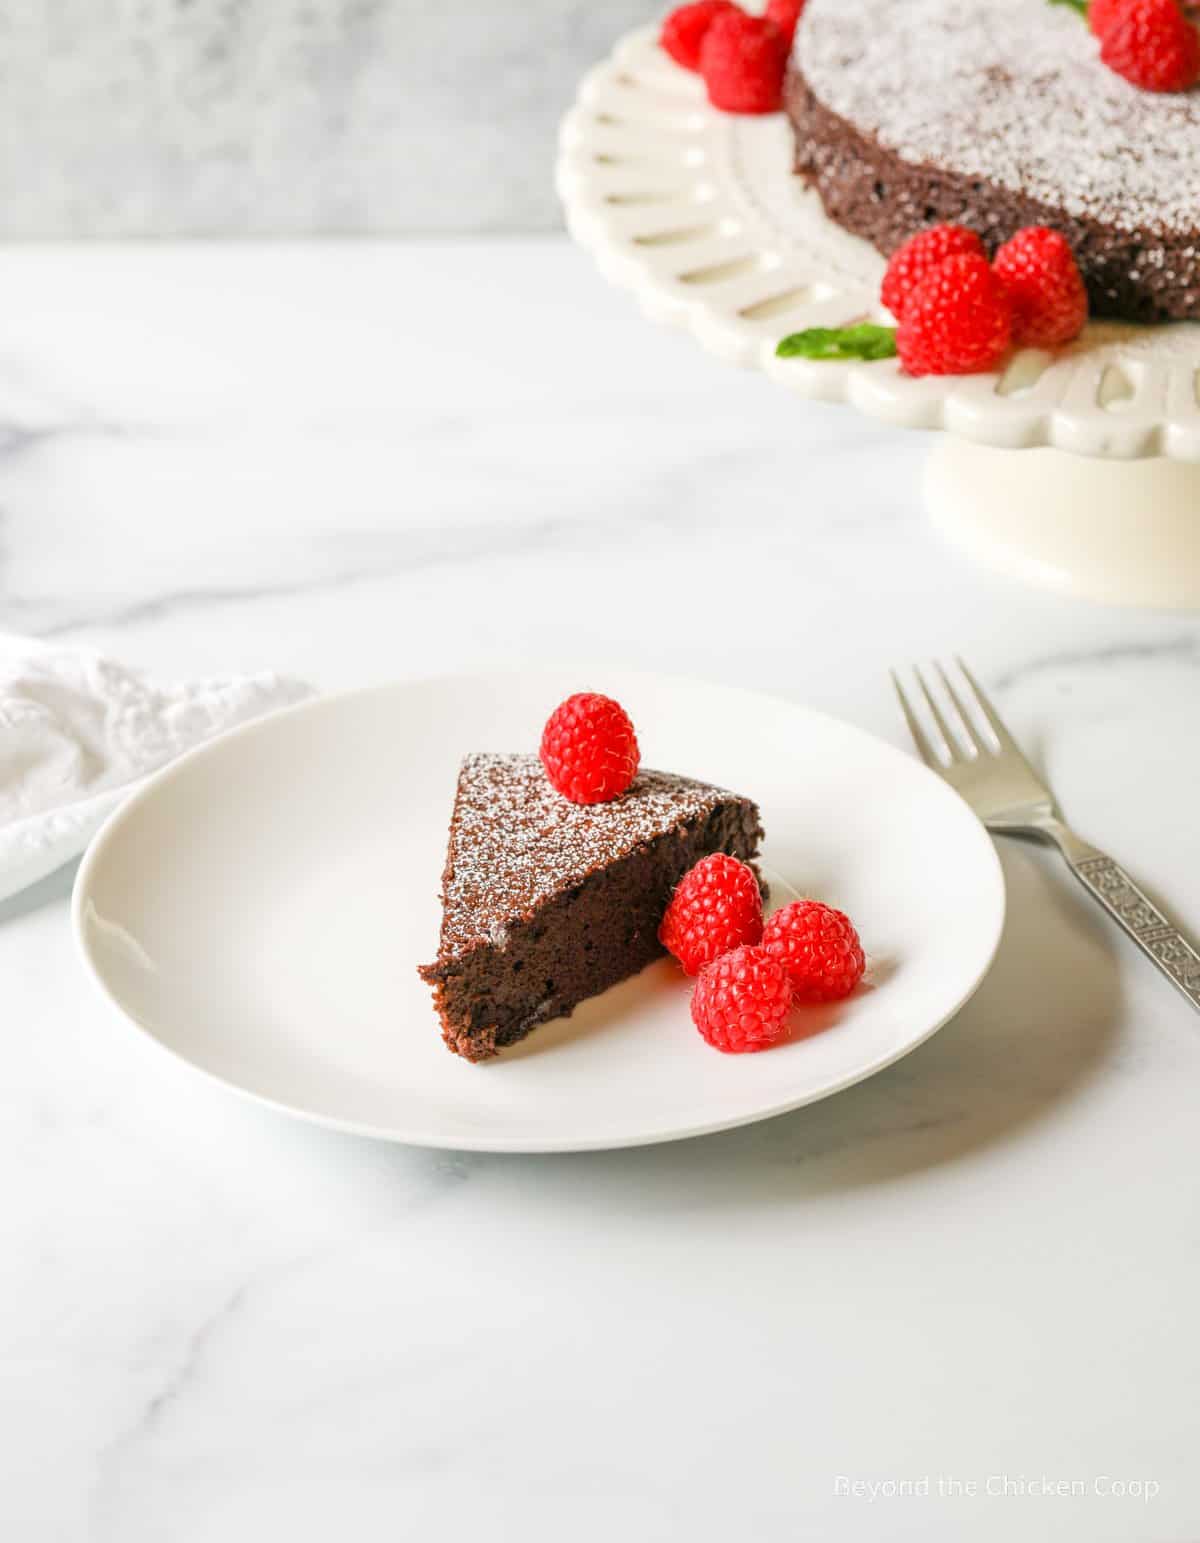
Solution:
(785, 14)
(589, 749)
(716, 906)
(957, 321)
(818, 947)
(926, 250)
(1153, 45)
(742, 1000)
(683, 31)
(1101, 14)
(742, 60)
(1044, 286)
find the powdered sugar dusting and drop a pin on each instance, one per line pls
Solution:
(515, 842)
(1011, 91)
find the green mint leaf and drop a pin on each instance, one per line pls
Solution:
(1080, 7)
(865, 341)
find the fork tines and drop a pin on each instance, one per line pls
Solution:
(966, 731)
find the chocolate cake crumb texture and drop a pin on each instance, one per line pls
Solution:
(547, 903)
(1013, 92)
(517, 842)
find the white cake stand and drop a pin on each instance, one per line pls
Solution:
(698, 213)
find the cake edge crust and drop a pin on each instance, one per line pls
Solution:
(873, 192)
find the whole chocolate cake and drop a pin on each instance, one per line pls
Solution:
(546, 902)
(998, 114)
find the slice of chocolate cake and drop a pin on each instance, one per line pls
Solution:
(546, 902)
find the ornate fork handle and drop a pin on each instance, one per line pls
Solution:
(1144, 923)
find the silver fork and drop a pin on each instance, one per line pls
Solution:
(1008, 796)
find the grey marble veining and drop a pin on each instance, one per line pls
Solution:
(216, 1323)
(282, 117)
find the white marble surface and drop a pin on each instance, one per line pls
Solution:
(363, 462)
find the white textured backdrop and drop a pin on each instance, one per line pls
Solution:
(286, 117)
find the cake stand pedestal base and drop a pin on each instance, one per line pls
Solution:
(1124, 532)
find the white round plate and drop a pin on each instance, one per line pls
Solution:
(261, 906)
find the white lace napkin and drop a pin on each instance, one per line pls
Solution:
(78, 732)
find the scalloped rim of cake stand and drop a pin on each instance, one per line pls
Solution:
(698, 212)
